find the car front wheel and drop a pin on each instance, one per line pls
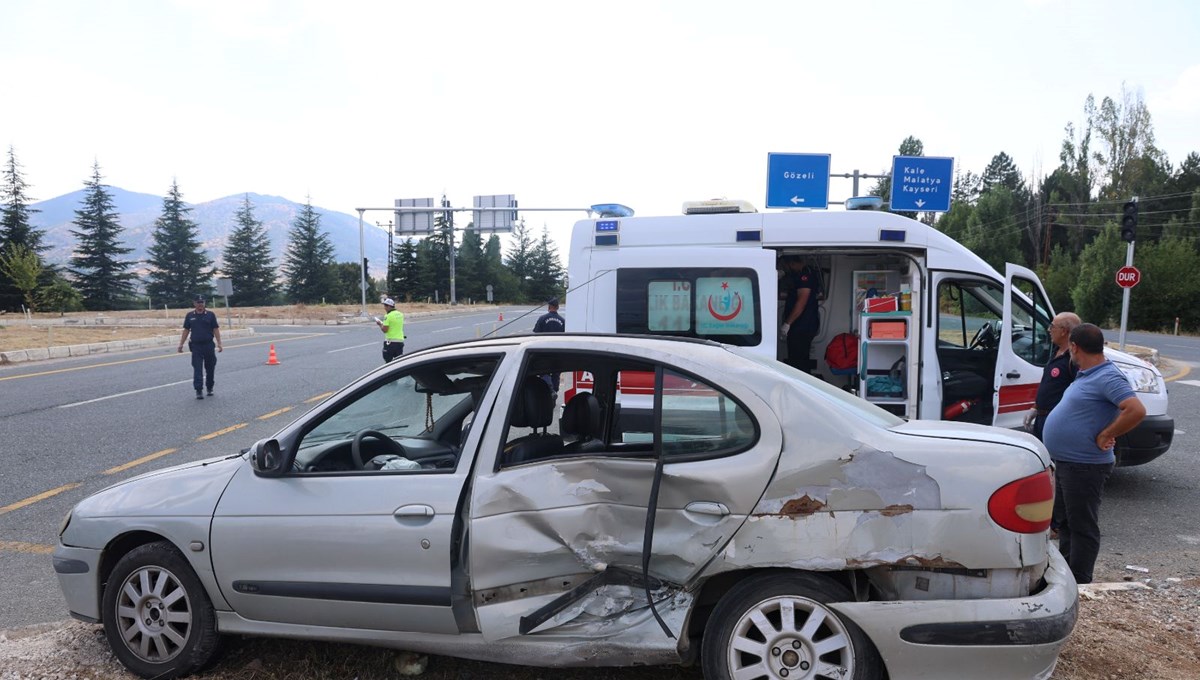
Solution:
(780, 627)
(157, 617)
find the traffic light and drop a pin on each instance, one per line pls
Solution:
(1129, 214)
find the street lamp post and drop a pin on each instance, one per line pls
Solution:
(362, 255)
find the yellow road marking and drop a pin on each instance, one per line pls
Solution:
(319, 397)
(40, 497)
(218, 433)
(139, 461)
(1187, 368)
(272, 414)
(158, 356)
(31, 548)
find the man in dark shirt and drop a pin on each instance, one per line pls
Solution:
(202, 325)
(1057, 374)
(550, 322)
(801, 317)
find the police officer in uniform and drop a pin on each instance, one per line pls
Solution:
(202, 325)
(551, 321)
(392, 325)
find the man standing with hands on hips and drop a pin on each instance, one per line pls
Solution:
(392, 325)
(202, 325)
(1080, 434)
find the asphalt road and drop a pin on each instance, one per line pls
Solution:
(71, 427)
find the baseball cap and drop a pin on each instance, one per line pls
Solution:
(552, 302)
(198, 298)
(389, 302)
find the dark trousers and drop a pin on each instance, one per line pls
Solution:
(799, 346)
(1078, 488)
(204, 361)
(1039, 424)
(392, 350)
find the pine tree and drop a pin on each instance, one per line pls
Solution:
(103, 280)
(179, 268)
(469, 268)
(546, 270)
(248, 261)
(15, 229)
(308, 262)
(402, 283)
(519, 259)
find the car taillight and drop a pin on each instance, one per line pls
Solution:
(1024, 506)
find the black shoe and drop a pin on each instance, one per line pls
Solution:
(210, 391)
(199, 394)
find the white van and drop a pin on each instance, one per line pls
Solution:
(713, 273)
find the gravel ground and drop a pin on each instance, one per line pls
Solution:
(1150, 632)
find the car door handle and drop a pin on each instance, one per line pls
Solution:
(1012, 375)
(413, 511)
(707, 508)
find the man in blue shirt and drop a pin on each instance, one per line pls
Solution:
(202, 325)
(1080, 433)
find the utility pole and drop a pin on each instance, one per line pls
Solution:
(855, 175)
(450, 221)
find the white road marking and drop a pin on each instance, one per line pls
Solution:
(369, 344)
(1193, 383)
(124, 394)
(446, 330)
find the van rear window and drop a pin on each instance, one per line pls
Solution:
(717, 303)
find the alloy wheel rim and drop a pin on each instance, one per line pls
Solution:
(154, 614)
(790, 638)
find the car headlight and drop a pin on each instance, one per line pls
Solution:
(66, 521)
(1141, 378)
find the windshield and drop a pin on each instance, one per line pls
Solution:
(841, 399)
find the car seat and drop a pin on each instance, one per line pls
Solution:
(583, 418)
(534, 408)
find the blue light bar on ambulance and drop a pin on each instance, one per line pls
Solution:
(892, 235)
(612, 210)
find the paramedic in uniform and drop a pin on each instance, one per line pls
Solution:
(1057, 374)
(801, 319)
(392, 326)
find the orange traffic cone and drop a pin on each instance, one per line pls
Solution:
(271, 360)
(502, 316)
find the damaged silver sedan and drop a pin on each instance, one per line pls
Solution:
(695, 505)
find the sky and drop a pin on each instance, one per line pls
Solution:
(353, 104)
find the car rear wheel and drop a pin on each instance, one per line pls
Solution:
(157, 617)
(780, 627)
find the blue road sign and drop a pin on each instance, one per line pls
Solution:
(922, 183)
(797, 180)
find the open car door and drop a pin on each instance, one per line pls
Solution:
(1025, 346)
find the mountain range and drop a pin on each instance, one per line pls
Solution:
(215, 221)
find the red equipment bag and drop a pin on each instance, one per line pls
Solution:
(842, 352)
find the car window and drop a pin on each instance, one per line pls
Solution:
(1031, 323)
(607, 409)
(415, 419)
(964, 309)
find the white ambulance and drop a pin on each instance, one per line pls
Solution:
(939, 333)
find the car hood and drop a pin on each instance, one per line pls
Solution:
(968, 431)
(190, 489)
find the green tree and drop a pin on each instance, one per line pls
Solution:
(403, 283)
(1058, 277)
(1169, 287)
(22, 266)
(104, 280)
(911, 146)
(433, 260)
(505, 285)
(992, 231)
(1095, 294)
(520, 260)
(347, 284)
(307, 264)
(15, 228)
(61, 296)
(248, 263)
(179, 268)
(469, 267)
(1127, 154)
(546, 270)
(954, 223)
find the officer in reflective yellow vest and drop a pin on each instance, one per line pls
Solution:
(392, 326)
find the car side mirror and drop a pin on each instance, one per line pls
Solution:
(266, 458)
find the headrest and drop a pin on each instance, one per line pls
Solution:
(535, 404)
(582, 416)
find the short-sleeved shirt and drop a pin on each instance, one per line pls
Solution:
(394, 321)
(1088, 406)
(201, 325)
(550, 322)
(1056, 377)
(809, 320)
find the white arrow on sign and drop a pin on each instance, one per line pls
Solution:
(797, 199)
(920, 203)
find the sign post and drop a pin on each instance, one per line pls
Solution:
(798, 180)
(921, 183)
(1127, 277)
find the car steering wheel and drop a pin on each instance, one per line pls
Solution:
(985, 337)
(356, 446)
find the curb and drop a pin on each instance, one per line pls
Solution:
(19, 356)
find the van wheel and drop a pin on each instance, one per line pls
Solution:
(157, 616)
(779, 627)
